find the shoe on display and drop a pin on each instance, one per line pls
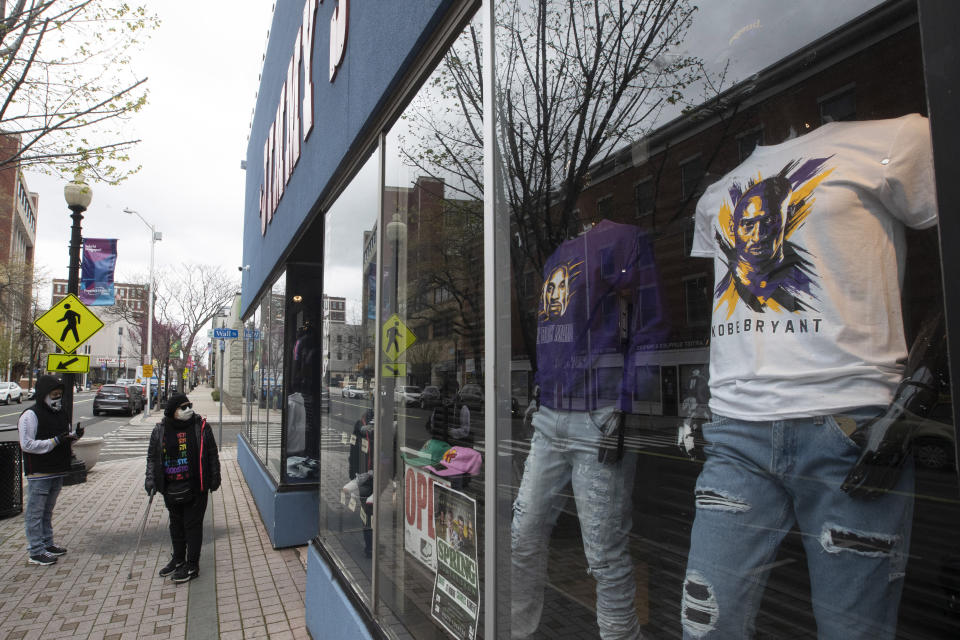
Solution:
(172, 566)
(186, 572)
(54, 550)
(43, 559)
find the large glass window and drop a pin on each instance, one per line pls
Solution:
(431, 376)
(739, 420)
(348, 332)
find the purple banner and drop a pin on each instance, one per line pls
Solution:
(96, 274)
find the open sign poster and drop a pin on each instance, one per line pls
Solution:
(456, 590)
(419, 534)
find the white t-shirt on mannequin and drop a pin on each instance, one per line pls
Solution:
(808, 244)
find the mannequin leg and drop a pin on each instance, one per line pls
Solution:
(546, 472)
(856, 549)
(602, 493)
(743, 513)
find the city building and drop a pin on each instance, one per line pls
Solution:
(226, 365)
(678, 281)
(18, 233)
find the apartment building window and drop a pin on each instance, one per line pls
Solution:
(838, 106)
(749, 141)
(643, 199)
(691, 177)
(605, 207)
(697, 299)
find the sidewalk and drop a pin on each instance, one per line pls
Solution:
(202, 403)
(246, 589)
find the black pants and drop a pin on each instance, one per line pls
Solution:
(186, 528)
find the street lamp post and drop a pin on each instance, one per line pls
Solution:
(78, 196)
(154, 236)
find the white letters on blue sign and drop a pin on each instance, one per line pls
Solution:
(338, 35)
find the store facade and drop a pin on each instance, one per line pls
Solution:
(607, 318)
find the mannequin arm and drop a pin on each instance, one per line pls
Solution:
(885, 441)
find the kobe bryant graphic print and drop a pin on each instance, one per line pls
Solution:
(807, 241)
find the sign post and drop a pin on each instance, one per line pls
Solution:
(223, 334)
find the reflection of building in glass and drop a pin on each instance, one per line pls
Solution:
(656, 182)
(442, 268)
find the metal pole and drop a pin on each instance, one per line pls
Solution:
(73, 286)
(153, 242)
(220, 395)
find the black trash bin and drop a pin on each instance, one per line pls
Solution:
(11, 479)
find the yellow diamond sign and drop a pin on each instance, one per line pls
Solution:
(69, 323)
(396, 338)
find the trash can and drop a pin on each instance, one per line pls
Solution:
(11, 479)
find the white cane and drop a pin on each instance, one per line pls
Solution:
(143, 525)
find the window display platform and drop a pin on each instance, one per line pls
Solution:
(289, 515)
(330, 613)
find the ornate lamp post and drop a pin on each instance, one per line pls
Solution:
(78, 196)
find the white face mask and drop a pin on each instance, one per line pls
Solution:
(183, 414)
(55, 404)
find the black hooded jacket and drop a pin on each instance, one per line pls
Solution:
(207, 477)
(50, 424)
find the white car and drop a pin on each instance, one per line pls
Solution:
(10, 391)
(407, 394)
(353, 392)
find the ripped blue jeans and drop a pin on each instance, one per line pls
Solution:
(564, 450)
(760, 479)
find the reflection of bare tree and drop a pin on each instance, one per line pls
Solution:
(423, 357)
(576, 79)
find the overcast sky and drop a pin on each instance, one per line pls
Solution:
(203, 65)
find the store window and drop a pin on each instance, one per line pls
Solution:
(431, 385)
(348, 384)
(731, 440)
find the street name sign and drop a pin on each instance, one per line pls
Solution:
(69, 323)
(225, 333)
(68, 363)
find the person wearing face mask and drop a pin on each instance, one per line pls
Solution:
(183, 466)
(45, 439)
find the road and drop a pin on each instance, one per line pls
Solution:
(122, 440)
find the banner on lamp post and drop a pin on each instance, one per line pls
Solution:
(96, 272)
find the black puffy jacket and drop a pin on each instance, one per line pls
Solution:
(209, 473)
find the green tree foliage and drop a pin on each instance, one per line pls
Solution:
(67, 87)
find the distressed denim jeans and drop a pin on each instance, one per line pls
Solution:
(564, 450)
(760, 479)
(38, 516)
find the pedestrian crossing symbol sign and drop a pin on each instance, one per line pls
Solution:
(68, 363)
(69, 323)
(397, 337)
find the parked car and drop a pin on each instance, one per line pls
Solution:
(353, 392)
(10, 391)
(430, 397)
(407, 394)
(132, 382)
(115, 397)
(31, 393)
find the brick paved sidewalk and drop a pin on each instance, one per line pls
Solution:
(246, 589)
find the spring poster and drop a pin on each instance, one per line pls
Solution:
(456, 589)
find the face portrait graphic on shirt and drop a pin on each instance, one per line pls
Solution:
(557, 291)
(765, 269)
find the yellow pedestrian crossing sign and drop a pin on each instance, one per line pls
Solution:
(69, 323)
(68, 363)
(397, 337)
(394, 370)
